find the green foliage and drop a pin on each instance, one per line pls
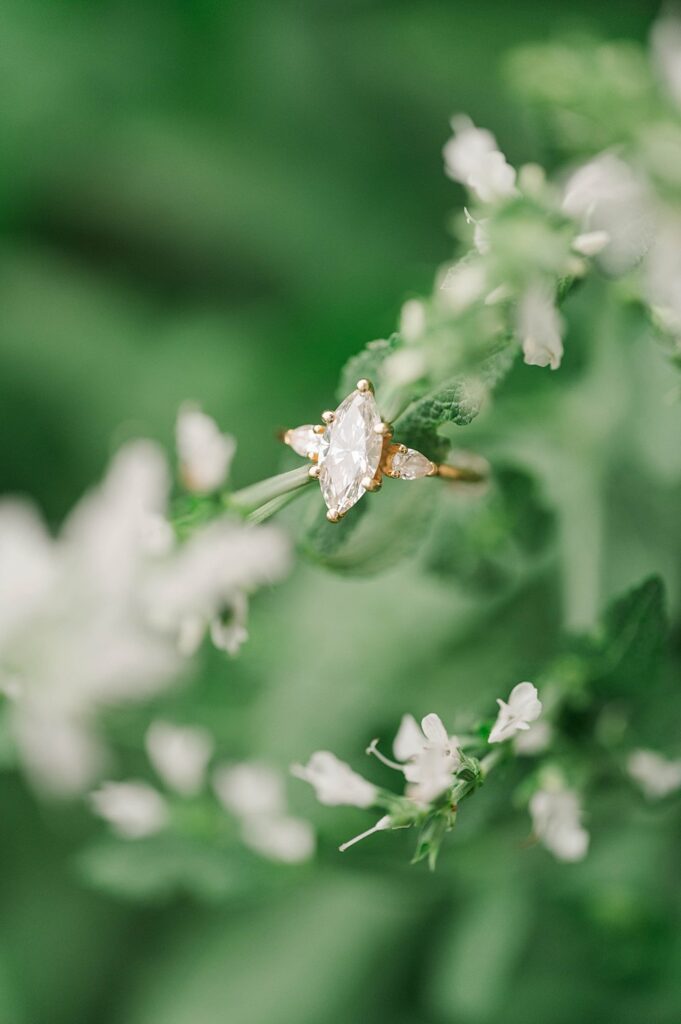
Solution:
(488, 542)
(368, 364)
(594, 94)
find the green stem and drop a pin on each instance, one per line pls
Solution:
(250, 500)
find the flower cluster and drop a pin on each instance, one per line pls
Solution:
(252, 793)
(111, 609)
(439, 770)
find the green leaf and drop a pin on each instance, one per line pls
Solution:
(162, 866)
(367, 363)
(377, 533)
(459, 401)
(631, 640)
(488, 541)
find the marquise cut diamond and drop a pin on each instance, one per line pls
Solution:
(350, 451)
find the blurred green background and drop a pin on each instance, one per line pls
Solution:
(222, 202)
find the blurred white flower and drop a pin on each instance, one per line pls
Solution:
(286, 839)
(590, 243)
(133, 809)
(656, 775)
(557, 822)
(249, 788)
(228, 630)
(254, 793)
(539, 326)
(665, 38)
(533, 740)
(607, 195)
(179, 754)
(662, 273)
(103, 613)
(204, 453)
(334, 781)
(463, 284)
(404, 367)
(412, 320)
(523, 707)
(472, 158)
(207, 578)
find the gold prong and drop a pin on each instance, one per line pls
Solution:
(364, 385)
(314, 472)
(371, 483)
(328, 416)
(286, 437)
(385, 429)
(333, 515)
(312, 456)
(318, 429)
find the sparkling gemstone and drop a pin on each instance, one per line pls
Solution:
(350, 451)
(410, 465)
(303, 440)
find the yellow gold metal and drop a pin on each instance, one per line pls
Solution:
(319, 429)
(333, 515)
(466, 474)
(314, 472)
(383, 428)
(328, 416)
(364, 385)
(372, 483)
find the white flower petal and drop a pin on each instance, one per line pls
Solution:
(434, 730)
(133, 809)
(205, 454)
(409, 739)
(179, 754)
(249, 789)
(286, 839)
(334, 781)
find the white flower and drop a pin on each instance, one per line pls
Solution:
(334, 781)
(207, 578)
(463, 284)
(607, 195)
(404, 367)
(665, 39)
(663, 273)
(590, 243)
(533, 740)
(380, 826)
(249, 788)
(428, 754)
(205, 454)
(412, 320)
(522, 708)
(254, 793)
(102, 613)
(133, 809)
(557, 821)
(229, 631)
(539, 326)
(656, 775)
(286, 839)
(473, 159)
(179, 753)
